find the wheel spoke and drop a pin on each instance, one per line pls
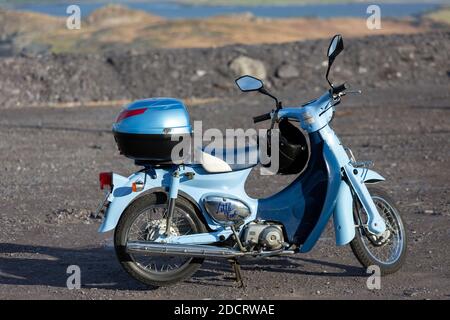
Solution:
(390, 251)
(149, 225)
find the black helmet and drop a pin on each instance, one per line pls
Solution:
(293, 148)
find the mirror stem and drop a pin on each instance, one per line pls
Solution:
(330, 63)
(279, 105)
(328, 80)
(267, 93)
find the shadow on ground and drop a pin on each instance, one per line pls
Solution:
(47, 266)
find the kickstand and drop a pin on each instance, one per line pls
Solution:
(237, 270)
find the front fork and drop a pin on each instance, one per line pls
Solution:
(353, 186)
(375, 223)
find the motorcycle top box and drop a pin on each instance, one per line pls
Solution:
(144, 129)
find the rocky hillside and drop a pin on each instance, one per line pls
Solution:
(380, 61)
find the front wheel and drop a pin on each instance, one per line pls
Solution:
(387, 251)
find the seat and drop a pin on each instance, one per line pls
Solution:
(228, 160)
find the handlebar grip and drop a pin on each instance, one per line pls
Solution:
(339, 88)
(261, 118)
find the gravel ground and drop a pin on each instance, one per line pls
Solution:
(50, 159)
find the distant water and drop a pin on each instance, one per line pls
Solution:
(179, 11)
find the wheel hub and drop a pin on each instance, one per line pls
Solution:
(379, 240)
(157, 228)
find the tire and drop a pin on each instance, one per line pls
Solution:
(140, 271)
(364, 249)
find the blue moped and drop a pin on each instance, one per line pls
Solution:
(168, 217)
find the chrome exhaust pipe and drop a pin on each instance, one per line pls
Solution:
(174, 249)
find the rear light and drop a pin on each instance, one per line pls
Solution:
(130, 113)
(106, 179)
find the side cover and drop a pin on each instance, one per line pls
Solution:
(305, 206)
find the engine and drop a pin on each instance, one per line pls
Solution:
(263, 236)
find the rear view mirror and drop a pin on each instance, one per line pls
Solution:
(336, 47)
(249, 83)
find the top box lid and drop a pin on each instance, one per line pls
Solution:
(154, 116)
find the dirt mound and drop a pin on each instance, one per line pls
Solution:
(379, 61)
(15, 22)
(115, 27)
(115, 14)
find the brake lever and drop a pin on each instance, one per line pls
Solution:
(353, 91)
(344, 93)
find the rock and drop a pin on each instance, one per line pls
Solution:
(287, 71)
(200, 73)
(175, 74)
(35, 49)
(348, 291)
(362, 70)
(410, 293)
(430, 212)
(65, 215)
(244, 65)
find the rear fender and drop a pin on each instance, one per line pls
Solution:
(120, 197)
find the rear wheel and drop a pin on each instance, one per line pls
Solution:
(387, 251)
(145, 220)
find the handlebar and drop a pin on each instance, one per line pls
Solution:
(262, 117)
(337, 92)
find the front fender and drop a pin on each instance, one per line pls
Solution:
(369, 176)
(344, 225)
